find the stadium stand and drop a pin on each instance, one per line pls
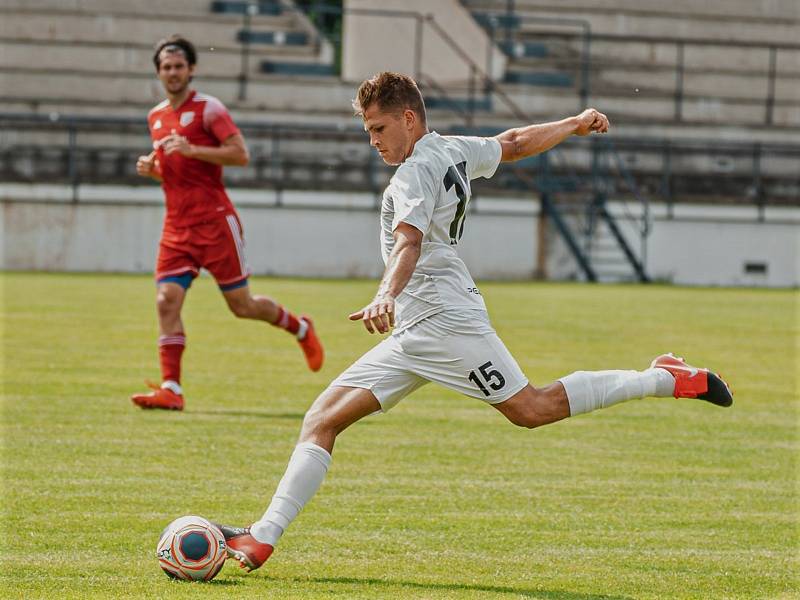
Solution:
(96, 56)
(709, 64)
(704, 98)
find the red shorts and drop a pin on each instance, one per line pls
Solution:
(216, 245)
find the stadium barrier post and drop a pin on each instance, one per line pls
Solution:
(666, 179)
(773, 65)
(679, 80)
(72, 161)
(585, 65)
(758, 184)
(252, 9)
(418, 46)
(471, 97)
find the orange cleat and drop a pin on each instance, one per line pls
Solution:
(694, 382)
(243, 547)
(311, 346)
(159, 398)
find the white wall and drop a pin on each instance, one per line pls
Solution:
(376, 43)
(710, 245)
(117, 229)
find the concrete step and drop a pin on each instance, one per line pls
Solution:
(297, 95)
(297, 68)
(176, 8)
(135, 59)
(779, 29)
(606, 52)
(212, 31)
(539, 78)
(636, 107)
(241, 7)
(713, 85)
(775, 10)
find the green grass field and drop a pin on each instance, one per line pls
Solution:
(441, 498)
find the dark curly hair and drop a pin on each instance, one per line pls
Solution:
(175, 43)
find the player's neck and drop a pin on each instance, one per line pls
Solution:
(175, 100)
(418, 135)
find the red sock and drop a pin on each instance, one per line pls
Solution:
(287, 321)
(170, 350)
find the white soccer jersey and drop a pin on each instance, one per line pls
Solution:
(431, 191)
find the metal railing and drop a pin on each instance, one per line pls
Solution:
(510, 28)
(664, 170)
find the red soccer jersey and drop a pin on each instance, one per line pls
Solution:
(193, 188)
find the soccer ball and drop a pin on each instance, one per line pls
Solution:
(191, 548)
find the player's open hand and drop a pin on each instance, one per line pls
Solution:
(175, 142)
(146, 165)
(378, 315)
(591, 121)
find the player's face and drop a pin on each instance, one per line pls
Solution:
(391, 133)
(174, 72)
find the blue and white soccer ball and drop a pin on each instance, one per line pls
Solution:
(191, 548)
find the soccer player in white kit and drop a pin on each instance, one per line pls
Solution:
(440, 328)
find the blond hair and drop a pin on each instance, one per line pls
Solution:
(392, 92)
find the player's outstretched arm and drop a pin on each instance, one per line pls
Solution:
(378, 315)
(232, 152)
(522, 142)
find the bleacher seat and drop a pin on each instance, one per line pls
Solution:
(636, 45)
(96, 56)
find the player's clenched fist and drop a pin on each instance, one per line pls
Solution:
(591, 120)
(146, 165)
(378, 315)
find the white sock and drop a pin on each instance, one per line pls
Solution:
(172, 386)
(304, 475)
(301, 332)
(590, 390)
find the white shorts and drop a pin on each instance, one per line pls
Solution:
(460, 352)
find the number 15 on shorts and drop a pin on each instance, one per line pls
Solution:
(486, 375)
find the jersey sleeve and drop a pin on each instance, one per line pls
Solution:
(483, 155)
(217, 121)
(414, 197)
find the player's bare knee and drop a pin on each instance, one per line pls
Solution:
(315, 422)
(167, 303)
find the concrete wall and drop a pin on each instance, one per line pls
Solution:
(117, 229)
(712, 245)
(377, 43)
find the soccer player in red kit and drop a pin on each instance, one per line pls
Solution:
(193, 138)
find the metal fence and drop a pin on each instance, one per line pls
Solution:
(508, 27)
(75, 150)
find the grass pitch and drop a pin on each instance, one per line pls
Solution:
(441, 498)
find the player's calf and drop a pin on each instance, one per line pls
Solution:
(532, 407)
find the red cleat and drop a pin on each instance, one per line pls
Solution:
(694, 382)
(311, 346)
(159, 398)
(243, 547)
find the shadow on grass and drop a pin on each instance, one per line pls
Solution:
(250, 413)
(467, 587)
(223, 582)
(259, 414)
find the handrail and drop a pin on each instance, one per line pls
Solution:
(680, 43)
(271, 134)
